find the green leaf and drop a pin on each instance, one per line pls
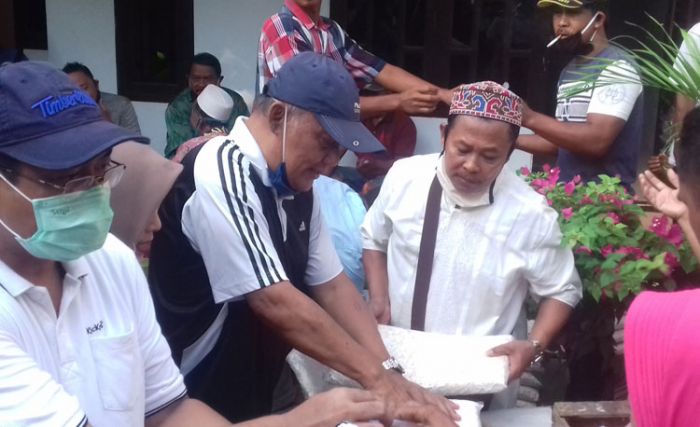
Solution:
(656, 61)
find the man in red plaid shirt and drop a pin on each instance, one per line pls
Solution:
(299, 27)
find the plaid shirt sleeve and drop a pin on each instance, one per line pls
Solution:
(361, 64)
(278, 44)
(280, 41)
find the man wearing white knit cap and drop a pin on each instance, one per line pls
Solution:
(210, 113)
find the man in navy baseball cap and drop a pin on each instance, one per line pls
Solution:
(47, 122)
(243, 230)
(54, 154)
(321, 86)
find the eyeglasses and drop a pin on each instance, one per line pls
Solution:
(111, 177)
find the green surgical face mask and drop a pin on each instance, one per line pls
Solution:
(68, 226)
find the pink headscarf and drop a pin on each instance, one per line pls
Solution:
(662, 359)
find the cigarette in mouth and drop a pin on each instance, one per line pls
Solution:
(556, 39)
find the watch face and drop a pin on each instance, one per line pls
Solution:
(394, 365)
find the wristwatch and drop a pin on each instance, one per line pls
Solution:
(539, 351)
(393, 364)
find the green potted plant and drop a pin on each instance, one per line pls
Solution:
(619, 251)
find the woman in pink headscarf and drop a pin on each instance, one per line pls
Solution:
(662, 334)
(662, 356)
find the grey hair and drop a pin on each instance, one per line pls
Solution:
(263, 103)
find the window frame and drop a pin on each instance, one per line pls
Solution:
(127, 40)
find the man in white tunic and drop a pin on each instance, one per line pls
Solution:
(496, 240)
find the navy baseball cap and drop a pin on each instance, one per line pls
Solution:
(47, 122)
(322, 86)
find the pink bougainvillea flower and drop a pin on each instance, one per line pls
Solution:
(615, 217)
(546, 168)
(550, 202)
(615, 201)
(577, 179)
(659, 226)
(524, 171)
(584, 250)
(672, 262)
(538, 183)
(606, 251)
(637, 253)
(675, 235)
(569, 188)
(585, 200)
(554, 176)
(567, 213)
(543, 186)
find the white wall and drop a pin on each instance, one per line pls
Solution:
(83, 30)
(152, 121)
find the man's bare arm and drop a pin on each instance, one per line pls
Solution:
(377, 284)
(412, 94)
(590, 139)
(310, 329)
(536, 145)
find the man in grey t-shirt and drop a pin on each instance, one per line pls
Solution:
(597, 131)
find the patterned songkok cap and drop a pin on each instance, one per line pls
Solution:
(489, 100)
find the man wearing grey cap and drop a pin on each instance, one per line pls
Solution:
(244, 268)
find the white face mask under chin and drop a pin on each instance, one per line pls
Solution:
(449, 189)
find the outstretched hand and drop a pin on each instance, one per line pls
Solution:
(404, 398)
(663, 197)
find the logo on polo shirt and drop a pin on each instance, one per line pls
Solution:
(94, 328)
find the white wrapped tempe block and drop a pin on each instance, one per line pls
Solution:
(450, 365)
(469, 414)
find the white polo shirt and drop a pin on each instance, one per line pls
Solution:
(103, 360)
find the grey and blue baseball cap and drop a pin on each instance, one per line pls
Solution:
(46, 121)
(322, 86)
